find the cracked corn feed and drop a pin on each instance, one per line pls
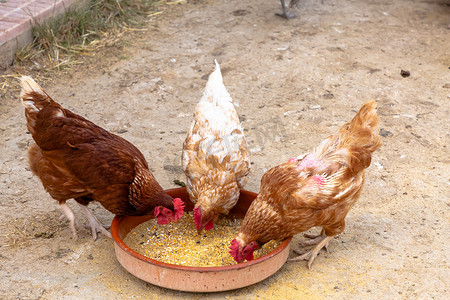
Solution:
(180, 244)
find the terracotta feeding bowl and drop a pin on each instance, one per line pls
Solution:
(195, 279)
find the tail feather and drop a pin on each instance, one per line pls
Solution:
(364, 128)
(29, 85)
(35, 99)
(215, 90)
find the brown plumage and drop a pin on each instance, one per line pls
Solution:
(74, 158)
(316, 189)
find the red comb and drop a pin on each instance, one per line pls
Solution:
(178, 205)
(234, 249)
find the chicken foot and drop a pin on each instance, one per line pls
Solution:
(313, 240)
(96, 227)
(322, 241)
(286, 12)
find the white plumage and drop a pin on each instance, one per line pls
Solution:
(215, 148)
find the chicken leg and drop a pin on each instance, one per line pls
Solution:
(321, 241)
(96, 227)
(286, 11)
(71, 217)
(313, 240)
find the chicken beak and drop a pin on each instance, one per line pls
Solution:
(199, 230)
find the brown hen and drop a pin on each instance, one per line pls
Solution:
(316, 189)
(74, 158)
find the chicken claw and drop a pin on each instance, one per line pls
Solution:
(96, 227)
(312, 254)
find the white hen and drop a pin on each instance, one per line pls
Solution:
(215, 156)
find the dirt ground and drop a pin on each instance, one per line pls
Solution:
(295, 82)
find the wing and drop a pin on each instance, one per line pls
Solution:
(331, 174)
(320, 192)
(58, 182)
(86, 151)
(292, 187)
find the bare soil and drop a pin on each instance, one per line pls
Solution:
(295, 83)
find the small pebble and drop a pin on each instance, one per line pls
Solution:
(404, 73)
(385, 133)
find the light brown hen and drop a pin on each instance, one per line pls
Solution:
(316, 189)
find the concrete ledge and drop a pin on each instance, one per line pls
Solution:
(16, 21)
(9, 48)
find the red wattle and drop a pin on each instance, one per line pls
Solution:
(197, 218)
(179, 208)
(209, 225)
(162, 220)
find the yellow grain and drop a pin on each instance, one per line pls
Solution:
(180, 244)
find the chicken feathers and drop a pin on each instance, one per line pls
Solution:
(316, 189)
(215, 156)
(74, 158)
